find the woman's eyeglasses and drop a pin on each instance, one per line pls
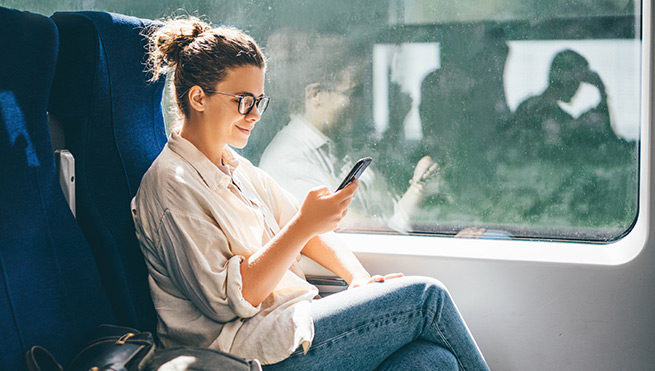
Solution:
(248, 101)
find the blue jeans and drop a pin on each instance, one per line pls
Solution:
(408, 323)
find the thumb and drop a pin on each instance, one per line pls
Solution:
(318, 191)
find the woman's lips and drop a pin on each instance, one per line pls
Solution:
(244, 130)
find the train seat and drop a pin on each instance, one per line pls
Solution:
(50, 291)
(113, 125)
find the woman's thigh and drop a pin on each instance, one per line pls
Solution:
(358, 329)
(420, 355)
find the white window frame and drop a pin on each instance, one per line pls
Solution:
(617, 252)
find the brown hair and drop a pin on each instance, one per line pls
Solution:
(199, 54)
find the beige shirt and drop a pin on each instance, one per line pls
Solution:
(195, 225)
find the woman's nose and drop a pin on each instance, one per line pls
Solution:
(253, 115)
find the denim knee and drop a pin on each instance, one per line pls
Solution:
(425, 290)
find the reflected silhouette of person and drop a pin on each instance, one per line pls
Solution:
(323, 81)
(306, 146)
(544, 127)
(400, 103)
(395, 153)
(463, 109)
(590, 167)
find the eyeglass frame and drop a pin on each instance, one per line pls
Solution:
(265, 98)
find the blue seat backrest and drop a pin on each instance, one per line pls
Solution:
(50, 289)
(113, 125)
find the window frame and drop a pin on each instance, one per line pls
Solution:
(617, 252)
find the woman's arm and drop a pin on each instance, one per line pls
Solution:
(328, 251)
(319, 213)
(332, 254)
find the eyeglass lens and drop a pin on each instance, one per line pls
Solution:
(247, 102)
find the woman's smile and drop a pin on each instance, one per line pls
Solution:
(244, 129)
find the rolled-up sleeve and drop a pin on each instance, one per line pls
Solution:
(197, 256)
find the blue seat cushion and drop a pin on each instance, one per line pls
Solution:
(50, 289)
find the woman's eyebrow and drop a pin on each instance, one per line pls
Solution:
(249, 93)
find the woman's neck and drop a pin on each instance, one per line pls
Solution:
(213, 151)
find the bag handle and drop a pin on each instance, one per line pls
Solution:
(39, 359)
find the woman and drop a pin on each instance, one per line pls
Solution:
(221, 239)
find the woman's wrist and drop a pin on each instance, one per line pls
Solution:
(302, 227)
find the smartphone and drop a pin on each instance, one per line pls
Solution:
(356, 171)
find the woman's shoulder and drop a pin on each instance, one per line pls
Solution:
(162, 169)
(168, 180)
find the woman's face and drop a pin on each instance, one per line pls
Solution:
(226, 124)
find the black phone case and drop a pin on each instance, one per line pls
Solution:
(356, 171)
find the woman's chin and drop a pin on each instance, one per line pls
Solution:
(240, 144)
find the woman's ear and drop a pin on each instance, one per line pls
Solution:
(197, 98)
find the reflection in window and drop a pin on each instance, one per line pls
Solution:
(529, 109)
(534, 129)
(558, 155)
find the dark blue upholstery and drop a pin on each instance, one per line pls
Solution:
(50, 290)
(114, 127)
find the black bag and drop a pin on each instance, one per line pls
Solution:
(111, 348)
(116, 348)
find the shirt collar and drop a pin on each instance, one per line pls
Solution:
(309, 134)
(210, 173)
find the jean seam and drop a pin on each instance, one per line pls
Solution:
(355, 329)
(444, 339)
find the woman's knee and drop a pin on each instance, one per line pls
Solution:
(424, 287)
(429, 295)
(427, 282)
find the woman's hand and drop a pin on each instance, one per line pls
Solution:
(322, 210)
(471, 232)
(319, 213)
(361, 281)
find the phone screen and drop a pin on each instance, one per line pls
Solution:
(356, 171)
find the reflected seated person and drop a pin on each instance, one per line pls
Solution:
(309, 159)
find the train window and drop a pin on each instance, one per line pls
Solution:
(498, 119)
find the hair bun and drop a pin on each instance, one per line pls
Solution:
(168, 42)
(199, 28)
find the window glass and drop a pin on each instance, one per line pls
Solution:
(519, 117)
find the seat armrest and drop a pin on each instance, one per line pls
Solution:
(328, 285)
(66, 170)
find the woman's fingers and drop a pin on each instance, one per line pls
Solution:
(380, 278)
(348, 190)
(471, 232)
(376, 278)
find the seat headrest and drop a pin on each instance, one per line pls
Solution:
(30, 44)
(101, 74)
(91, 42)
